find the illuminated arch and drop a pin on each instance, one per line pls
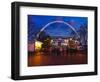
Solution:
(56, 22)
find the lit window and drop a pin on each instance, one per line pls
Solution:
(38, 45)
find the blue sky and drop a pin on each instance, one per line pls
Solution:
(37, 22)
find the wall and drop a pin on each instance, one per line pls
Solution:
(5, 40)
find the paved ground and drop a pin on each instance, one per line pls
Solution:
(45, 59)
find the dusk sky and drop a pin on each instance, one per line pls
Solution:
(37, 22)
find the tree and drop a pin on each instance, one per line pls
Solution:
(83, 34)
(45, 39)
